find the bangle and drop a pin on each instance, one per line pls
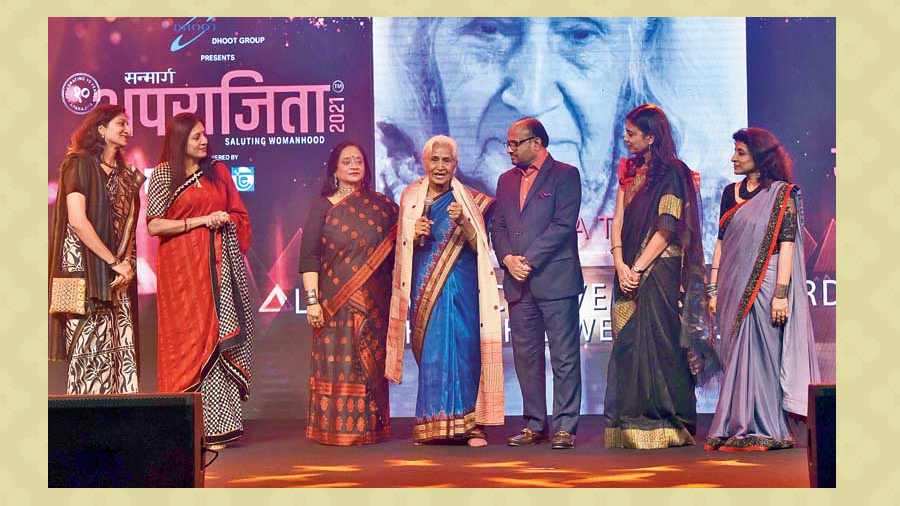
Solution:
(713, 269)
(614, 248)
(115, 262)
(781, 291)
(185, 225)
(636, 270)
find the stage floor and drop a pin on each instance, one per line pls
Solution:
(275, 453)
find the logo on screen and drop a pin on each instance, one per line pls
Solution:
(80, 93)
(244, 178)
(191, 29)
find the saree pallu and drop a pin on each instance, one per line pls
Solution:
(100, 347)
(348, 394)
(488, 408)
(446, 339)
(205, 325)
(768, 367)
(650, 401)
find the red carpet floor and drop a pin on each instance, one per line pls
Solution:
(274, 453)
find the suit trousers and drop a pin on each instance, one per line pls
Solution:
(529, 320)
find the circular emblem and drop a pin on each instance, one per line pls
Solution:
(337, 86)
(80, 93)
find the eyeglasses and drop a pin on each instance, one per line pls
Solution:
(516, 144)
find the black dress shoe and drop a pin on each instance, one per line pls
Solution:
(562, 440)
(526, 437)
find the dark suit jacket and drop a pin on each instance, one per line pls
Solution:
(543, 231)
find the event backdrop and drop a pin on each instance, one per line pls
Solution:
(277, 93)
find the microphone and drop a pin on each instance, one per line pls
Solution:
(426, 213)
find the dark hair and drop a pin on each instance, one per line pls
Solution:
(770, 158)
(174, 150)
(328, 186)
(650, 119)
(536, 128)
(86, 140)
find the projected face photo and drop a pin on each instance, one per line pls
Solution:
(566, 72)
(471, 78)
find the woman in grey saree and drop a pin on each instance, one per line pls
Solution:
(758, 292)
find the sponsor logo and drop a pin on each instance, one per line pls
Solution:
(189, 31)
(80, 93)
(244, 178)
(275, 301)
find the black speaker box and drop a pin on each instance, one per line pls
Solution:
(821, 447)
(134, 440)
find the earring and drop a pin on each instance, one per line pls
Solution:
(336, 185)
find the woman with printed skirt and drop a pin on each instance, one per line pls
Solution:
(93, 239)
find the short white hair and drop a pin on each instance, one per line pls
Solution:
(439, 140)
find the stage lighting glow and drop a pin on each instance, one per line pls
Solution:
(615, 478)
(549, 470)
(330, 469)
(729, 463)
(339, 484)
(410, 463)
(273, 477)
(498, 465)
(519, 482)
(653, 469)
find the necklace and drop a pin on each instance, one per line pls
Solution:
(746, 194)
(194, 173)
(343, 191)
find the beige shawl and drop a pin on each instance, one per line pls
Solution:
(489, 405)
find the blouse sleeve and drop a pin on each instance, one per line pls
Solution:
(158, 192)
(311, 241)
(622, 172)
(671, 204)
(788, 232)
(726, 204)
(73, 176)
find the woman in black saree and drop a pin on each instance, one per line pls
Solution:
(658, 291)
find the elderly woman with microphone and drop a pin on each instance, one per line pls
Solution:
(444, 284)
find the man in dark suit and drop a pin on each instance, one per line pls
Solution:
(534, 236)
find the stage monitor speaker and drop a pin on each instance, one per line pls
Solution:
(133, 440)
(821, 447)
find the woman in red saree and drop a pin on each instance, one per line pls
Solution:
(345, 262)
(204, 315)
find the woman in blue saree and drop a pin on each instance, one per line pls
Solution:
(444, 284)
